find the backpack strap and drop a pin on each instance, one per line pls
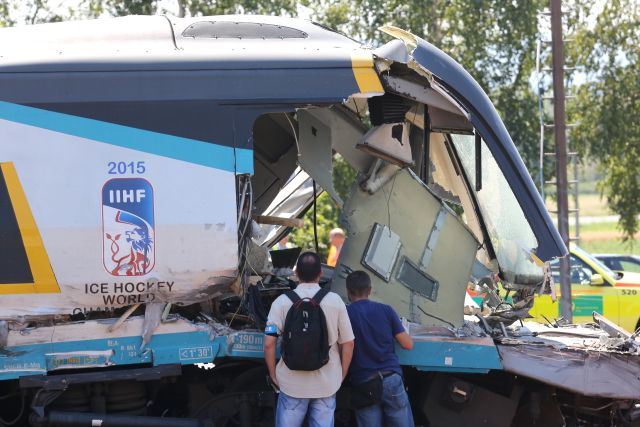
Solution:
(320, 295)
(293, 296)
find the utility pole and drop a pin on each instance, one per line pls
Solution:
(560, 133)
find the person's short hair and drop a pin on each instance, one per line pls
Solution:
(358, 283)
(336, 232)
(308, 267)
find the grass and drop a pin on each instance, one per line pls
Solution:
(597, 227)
(590, 205)
(612, 246)
(597, 233)
(605, 237)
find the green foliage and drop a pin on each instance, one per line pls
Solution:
(608, 105)
(131, 7)
(5, 14)
(328, 214)
(224, 7)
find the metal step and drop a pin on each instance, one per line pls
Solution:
(550, 98)
(569, 182)
(570, 211)
(570, 153)
(552, 125)
(549, 69)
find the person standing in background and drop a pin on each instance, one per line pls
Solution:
(378, 392)
(282, 244)
(336, 237)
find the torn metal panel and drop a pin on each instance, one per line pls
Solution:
(445, 121)
(389, 142)
(152, 317)
(409, 209)
(344, 130)
(580, 359)
(440, 120)
(275, 155)
(424, 94)
(433, 64)
(315, 154)
(395, 51)
(4, 334)
(589, 373)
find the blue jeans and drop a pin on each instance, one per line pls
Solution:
(394, 411)
(291, 411)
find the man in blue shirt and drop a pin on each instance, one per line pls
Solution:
(376, 328)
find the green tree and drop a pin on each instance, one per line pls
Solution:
(222, 7)
(327, 212)
(5, 14)
(131, 7)
(607, 108)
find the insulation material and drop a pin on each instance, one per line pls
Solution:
(99, 225)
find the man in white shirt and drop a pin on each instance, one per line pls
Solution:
(312, 392)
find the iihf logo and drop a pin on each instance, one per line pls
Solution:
(128, 233)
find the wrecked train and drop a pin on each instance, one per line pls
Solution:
(149, 163)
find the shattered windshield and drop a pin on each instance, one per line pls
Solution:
(510, 233)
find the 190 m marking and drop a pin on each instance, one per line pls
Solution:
(123, 168)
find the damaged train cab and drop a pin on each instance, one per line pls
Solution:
(148, 164)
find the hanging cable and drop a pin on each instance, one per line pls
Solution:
(315, 218)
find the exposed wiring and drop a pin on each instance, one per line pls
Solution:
(242, 196)
(436, 317)
(295, 134)
(315, 218)
(393, 183)
(548, 321)
(16, 419)
(243, 240)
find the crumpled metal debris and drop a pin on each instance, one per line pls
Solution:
(470, 328)
(4, 334)
(152, 317)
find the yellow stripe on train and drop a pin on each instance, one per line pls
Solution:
(44, 280)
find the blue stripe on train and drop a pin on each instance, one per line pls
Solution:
(197, 347)
(175, 147)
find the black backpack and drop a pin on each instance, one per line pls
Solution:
(305, 341)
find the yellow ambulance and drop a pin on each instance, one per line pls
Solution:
(594, 287)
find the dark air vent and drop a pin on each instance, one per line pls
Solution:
(240, 30)
(387, 108)
(413, 278)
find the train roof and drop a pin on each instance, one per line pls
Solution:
(168, 43)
